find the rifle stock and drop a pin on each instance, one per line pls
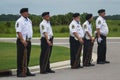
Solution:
(24, 64)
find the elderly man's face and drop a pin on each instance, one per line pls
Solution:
(25, 14)
(103, 14)
(47, 17)
(77, 18)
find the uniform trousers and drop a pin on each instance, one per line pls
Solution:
(46, 51)
(20, 53)
(87, 51)
(101, 49)
(75, 52)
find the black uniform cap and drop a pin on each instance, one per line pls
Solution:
(24, 10)
(88, 16)
(45, 13)
(76, 15)
(101, 10)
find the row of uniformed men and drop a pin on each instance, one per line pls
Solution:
(78, 37)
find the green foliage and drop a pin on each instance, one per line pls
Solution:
(61, 19)
(58, 30)
(36, 19)
(8, 24)
(115, 29)
(8, 17)
(55, 19)
(64, 30)
(59, 24)
(83, 18)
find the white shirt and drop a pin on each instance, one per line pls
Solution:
(102, 25)
(45, 26)
(76, 27)
(87, 27)
(24, 26)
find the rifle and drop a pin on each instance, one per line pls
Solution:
(24, 64)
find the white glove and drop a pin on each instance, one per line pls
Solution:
(99, 40)
(95, 33)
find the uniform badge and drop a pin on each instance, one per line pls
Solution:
(73, 26)
(85, 26)
(99, 22)
(43, 27)
(17, 24)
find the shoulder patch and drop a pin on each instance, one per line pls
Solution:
(99, 22)
(73, 27)
(17, 24)
(43, 27)
(85, 26)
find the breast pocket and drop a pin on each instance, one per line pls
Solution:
(24, 27)
(47, 28)
(104, 24)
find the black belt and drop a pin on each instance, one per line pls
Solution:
(50, 37)
(75, 38)
(28, 39)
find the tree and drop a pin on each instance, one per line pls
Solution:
(83, 18)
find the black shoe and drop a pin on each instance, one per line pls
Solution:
(107, 62)
(86, 65)
(81, 67)
(91, 64)
(20, 75)
(51, 71)
(76, 67)
(100, 62)
(45, 72)
(30, 74)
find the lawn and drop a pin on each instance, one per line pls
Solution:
(8, 55)
(58, 30)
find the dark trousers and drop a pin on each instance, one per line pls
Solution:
(75, 52)
(101, 50)
(45, 55)
(20, 52)
(87, 52)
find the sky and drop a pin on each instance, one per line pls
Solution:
(56, 7)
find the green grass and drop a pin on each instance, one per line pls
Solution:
(8, 55)
(58, 30)
(7, 35)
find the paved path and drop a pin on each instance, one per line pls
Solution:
(57, 41)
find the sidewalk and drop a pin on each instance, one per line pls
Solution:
(54, 66)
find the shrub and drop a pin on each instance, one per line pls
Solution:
(115, 29)
(64, 30)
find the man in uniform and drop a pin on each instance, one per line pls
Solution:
(88, 41)
(24, 34)
(102, 32)
(46, 44)
(76, 41)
